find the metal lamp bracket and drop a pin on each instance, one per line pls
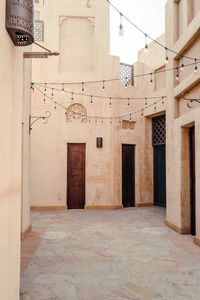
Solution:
(191, 100)
(34, 119)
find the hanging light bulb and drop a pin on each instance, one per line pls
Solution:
(146, 101)
(110, 103)
(130, 117)
(195, 68)
(151, 79)
(91, 101)
(142, 113)
(182, 67)
(177, 75)
(63, 88)
(72, 97)
(52, 94)
(128, 101)
(146, 47)
(45, 87)
(44, 98)
(55, 106)
(166, 56)
(83, 87)
(121, 29)
(163, 100)
(89, 3)
(155, 106)
(103, 86)
(32, 88)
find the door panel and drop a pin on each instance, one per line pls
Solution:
(160, 175)
(128, 175)
(192, 181)
(76, 176)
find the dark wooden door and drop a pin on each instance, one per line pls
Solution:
(128, 175)
(159, 175)
(192, 180)
(76, 176)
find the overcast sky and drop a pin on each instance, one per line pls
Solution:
(149, 15)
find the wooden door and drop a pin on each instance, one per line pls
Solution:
(160, 175)
(76, 176)
(192, 181)
(128, 175)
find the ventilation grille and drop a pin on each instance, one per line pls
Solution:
(159, 131)
(126, 74)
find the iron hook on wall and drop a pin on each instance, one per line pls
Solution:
(37, 118)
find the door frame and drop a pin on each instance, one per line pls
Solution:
(134, 174)
(84, 180)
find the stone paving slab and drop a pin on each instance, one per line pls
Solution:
(106, 255)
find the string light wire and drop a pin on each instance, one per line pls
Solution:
(91, 96)
(100, 117)
(148, 36)
(195, 63)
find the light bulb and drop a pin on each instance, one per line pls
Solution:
(146, 49)
(182, 68)
(177, 75)
(166, 60)
(195, 68)
(63, 88)
(103, 86)
(121, 30)
(151, 80)
(89, 4)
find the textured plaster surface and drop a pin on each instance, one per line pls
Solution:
(106, 255)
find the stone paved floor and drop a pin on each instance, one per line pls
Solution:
(125, 254)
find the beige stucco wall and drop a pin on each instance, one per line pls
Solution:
(183, 39)
(49, 142)
(26, 147)
(12, 187)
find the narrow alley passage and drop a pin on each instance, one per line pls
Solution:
(106, 255)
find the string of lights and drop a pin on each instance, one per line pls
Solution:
(102, 118)
(150, 74)
(146, 36)
(91, 97)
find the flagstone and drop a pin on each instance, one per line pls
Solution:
(125, 254)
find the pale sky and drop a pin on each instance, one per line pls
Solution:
(149, 15)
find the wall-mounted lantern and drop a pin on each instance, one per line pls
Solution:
(19, 21)
(99, 142)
